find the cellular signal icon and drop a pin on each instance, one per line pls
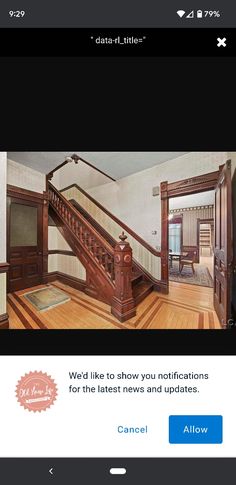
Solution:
(180, 13)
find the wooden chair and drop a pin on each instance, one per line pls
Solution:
(187, 260)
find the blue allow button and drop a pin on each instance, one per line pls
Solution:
(195, 429)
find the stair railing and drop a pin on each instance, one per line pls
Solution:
(115, 263)
(97, 247)
(145, 255)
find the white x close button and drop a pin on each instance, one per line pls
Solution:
(221, 42)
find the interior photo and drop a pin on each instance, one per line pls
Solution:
(117, 240)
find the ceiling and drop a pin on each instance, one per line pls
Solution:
(203, 198)
(115, 164)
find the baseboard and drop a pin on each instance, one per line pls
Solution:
(49, 277)
(4, 321)
(76, 283)
(164, 287)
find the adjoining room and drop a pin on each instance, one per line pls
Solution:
(191, 239)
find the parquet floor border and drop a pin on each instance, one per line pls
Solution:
(151, 313)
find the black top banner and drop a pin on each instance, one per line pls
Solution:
(118, 42)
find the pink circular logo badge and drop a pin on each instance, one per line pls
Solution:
(36, 391)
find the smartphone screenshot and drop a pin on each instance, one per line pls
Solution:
(117, 243)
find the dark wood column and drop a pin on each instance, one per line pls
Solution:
(45, 233)
(164, 237)
(123, 304)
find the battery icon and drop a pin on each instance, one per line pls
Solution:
(199, 14)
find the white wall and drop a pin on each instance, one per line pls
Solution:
(3, 179)
(25, 177)
(80, 174)
(131, 198)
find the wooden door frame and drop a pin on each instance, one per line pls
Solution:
(193, 185)
(24, 195)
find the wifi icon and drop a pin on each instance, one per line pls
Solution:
(180, 13)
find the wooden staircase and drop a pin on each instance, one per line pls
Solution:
(140, 284)
(119, 280)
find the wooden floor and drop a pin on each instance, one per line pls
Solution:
(208, 262)
(185, 307)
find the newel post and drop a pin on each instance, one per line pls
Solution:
(123, 304)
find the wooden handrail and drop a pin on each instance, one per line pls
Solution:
(118, 221)
(101, 252)
(76, 159)
(107, 246)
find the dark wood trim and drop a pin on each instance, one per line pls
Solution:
(164, 237)
(45, 232)
(234, 245)
(118, 221)
(49, 277)
(76, 159)
(4, 321)
(4, 267)
(193, 185)
(28, 195)
(60, 251)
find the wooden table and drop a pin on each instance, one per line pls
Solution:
(177, 257)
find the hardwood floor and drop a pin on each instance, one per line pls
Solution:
(185, 307)
(208, 262)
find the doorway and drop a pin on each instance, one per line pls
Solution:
(220, 182)
(25, 242)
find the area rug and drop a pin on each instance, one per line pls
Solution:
(201, 277)
(46, 298)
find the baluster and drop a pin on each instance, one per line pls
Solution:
(112, 271)
(95, 249)
(100, 254)
(106, 261)
(123, 304)
(81, 232)
(90, 242)
(76, 227)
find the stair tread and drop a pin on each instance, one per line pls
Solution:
(142, 288)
